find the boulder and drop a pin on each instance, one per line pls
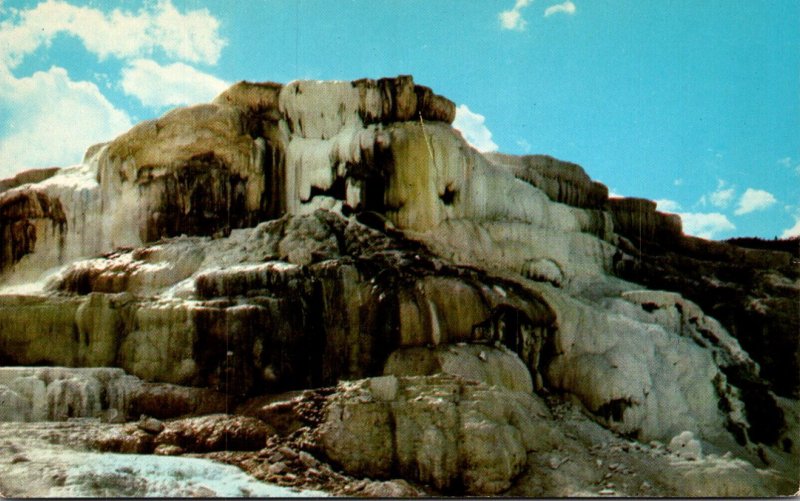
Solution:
(439, 430)
(684, 445)
(150, 425)
(215, 432)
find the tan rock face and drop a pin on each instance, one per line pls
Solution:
(242, 327)
(456, 435)
(638, 218)
(563, 182)
(27, 217)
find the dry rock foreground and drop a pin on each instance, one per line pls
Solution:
(322, 284)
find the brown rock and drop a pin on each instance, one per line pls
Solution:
(216, 432)
(397, 488)
(638, 217)
(164, 401)
(563, 182)
(278, 468)
(27, 177)
(168, 450)
(282, 416)
(307, 459)
(128, 439)
(150, 425)
(25, 215)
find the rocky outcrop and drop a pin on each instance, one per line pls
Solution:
(753, 293)
(287, 237)
(240, 328)
(637, 218)
(28, 217)
(213, 433)
(28, 177)
(32, 394)
(257, 152)
(562, 182)
(443, 431)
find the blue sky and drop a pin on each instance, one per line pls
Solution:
(694, 103)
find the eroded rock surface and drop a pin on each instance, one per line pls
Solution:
(444, 431)
(287, 237)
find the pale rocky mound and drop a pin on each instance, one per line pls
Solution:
(289, 237)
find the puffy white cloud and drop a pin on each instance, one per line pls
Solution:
(512, 19)
(59, 120)
(562, 8)
(191, 36)
(666, 205)
(49, 119)
(723, 196)
(174, 84)
(754, 200)
(473, 128)
(612, 193)
(705, 225)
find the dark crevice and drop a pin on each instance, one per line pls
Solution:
(649, 307)
(614, 410)
(765, 417)
(449, 195)
(337, 190)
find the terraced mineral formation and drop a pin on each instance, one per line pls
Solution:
(287, 237)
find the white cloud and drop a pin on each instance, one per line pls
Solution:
(789, 163)
(794, 231)
(50, 119)
(562, 8)
(512, 19)
(474, 130)
(666, 205)
(705, 225)
(678, 182)
(524, 145)
(192, 36)
(174, 84)
(723, 196)
(612, 193)
(754, 200)
(59, 120)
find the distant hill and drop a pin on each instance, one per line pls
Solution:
(791, 245)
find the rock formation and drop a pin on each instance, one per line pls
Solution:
(287, 237)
